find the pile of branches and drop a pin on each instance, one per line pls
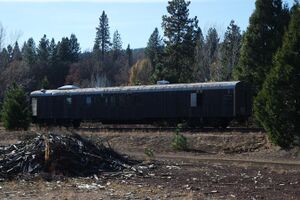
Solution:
(68, 155)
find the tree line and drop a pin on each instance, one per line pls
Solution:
(266, 56)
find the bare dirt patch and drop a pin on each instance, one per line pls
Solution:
(219, 165)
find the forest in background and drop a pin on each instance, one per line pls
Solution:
(51, 64)
(266, 56)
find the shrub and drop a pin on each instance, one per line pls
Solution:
(149, 153)
(15, 113)
(179, 142)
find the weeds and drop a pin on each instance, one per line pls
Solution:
(149, 153)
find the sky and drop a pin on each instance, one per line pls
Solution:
(135, 20)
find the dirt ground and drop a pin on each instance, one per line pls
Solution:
(218, 165)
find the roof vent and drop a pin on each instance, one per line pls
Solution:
(68, 87)
(162, 82)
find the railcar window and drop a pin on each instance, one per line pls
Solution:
(69, 100)
(194, 100)
(34, 106)
(88, 100)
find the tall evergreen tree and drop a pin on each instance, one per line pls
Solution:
(74, 48)
(211, 54)
(16, 55)
(201, 70)
(116, 45)
(10, 52)
(53, 64)
(63, 50)
(230, 50)
(180, 32)
(102, 40)
(4, 58)
(29, 52)
(68, 49)
(43, 50)
(277, 105)
(262, 39)
(129, 55)
(52, 52)
(154, 48)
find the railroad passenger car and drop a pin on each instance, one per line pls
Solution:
(206, 104)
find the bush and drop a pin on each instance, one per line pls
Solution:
(149, 153)
(179, 142)
(15, 113)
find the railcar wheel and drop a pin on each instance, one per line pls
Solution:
(224, 124)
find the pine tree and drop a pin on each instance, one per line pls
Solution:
(63, 50)
(53, 64)
(230, 50)
(43, 50)
(15, 112)
(277, 105)
(129, 55)
(211, 54)
(201, 71)
(17, 55)
(261, 41)
(102, 40)
(10, 52)
(68, 50)
(52, 52)
(154, 48)
(74, 48)
(180, 32)
(116, 45)
(29, 52)
(4, 58)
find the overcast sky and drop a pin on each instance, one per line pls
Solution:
(134, 19)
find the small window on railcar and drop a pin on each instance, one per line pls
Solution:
(69, 100)
(34, 106)
(194, 100)
(88, 100)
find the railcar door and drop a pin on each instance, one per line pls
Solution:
(196, 104)
(227, 103)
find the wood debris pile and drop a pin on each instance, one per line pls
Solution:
(69, 155)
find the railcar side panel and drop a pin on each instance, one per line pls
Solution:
(196, 102)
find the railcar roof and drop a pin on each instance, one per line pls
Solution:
(139, 89)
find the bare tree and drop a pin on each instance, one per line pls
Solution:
(14, 36)
(2, 36)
